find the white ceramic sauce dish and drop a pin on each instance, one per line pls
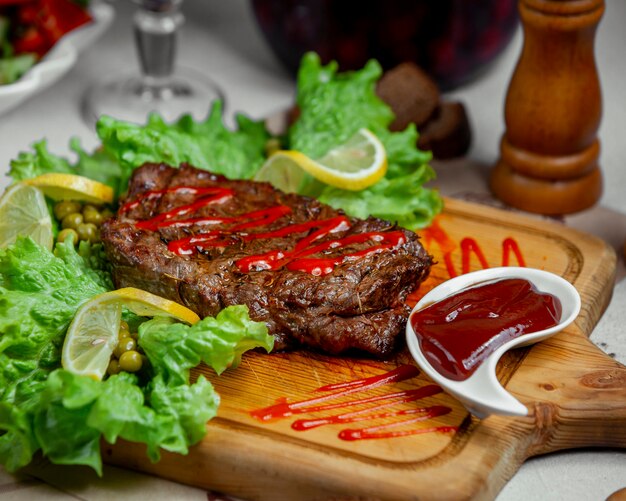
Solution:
(481, 393)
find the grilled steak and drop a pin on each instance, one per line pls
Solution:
(313, 275)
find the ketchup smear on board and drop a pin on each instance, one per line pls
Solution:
(459, 332)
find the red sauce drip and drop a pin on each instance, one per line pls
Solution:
(265, 216)
(401, 373)
(510, 246)
(468, 246)
(282, 409)
(275, 259)
(296, 259)
(446, 244)
(189, 245)
(220, 238)
(456, 334)
(323, 266)
(208, 196)
(260, 217)
(375, 431)
(152, 194)
(365, 414)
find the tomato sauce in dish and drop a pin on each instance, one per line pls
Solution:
(459, 332)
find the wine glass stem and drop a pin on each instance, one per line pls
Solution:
(156, 35)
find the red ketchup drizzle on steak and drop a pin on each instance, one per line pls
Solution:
(459, 332)
(296, 259)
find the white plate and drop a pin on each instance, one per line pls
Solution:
(58, 61)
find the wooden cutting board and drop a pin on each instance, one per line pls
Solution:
(308, 426)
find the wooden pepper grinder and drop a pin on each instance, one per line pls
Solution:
(549, 152)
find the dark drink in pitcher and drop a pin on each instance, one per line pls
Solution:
(453, 40)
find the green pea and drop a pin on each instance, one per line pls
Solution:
(124, 332)
(72, 220)
(66, 233)
(125, 344)
(62, 209)
(106, 213)
(272, 146)
(92, 215)
(113, 367)
(131, 361)
(88, 232)
(124, 325)
(123, 335)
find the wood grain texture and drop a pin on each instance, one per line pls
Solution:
(576, 395)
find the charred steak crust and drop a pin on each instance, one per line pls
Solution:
(358, 305)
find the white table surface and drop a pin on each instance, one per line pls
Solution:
(222, 40)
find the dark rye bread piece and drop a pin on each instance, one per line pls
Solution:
(447, 134)
(414, 98)
(411, 93)
(359, 305)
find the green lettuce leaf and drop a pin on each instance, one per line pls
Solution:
(17, 443)
(333, 106)
(189, 408)
(71, 413)
(40, 161)
(60, 420)
(44, 407)
(402, 199)
(39, 293)
(12, 68)
(171, 417)
(99, 165)
(207, 145)
(174, 348)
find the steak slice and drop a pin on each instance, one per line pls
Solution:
(314, 276)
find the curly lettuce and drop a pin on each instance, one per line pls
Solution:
(98, 165)
(333, 106)
(206, 144)
(174, 348)
(44, 407)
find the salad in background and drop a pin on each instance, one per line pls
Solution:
(51, 282)
(30, 28)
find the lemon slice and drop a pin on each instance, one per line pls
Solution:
(91, 338)
(146, 304)
(23, 211)
(59, 186)
(358, 163)
(93, 334)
